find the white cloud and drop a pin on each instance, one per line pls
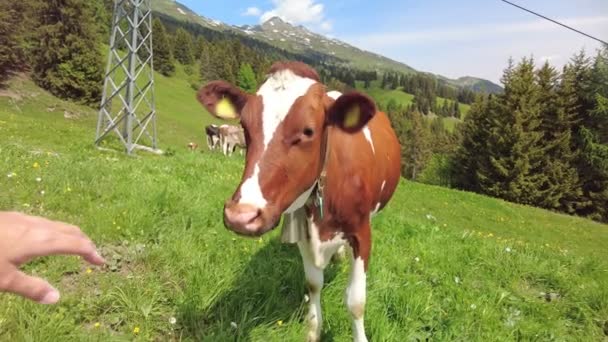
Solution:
(467, 34)
(306, 12)
(253, 12)
(326, 26)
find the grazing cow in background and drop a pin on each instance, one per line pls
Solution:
(213, 136)
(230, 138)
(325, 161)
(192, 146)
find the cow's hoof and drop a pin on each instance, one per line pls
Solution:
(312, 337)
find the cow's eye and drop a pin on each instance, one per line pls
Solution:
(308, 132)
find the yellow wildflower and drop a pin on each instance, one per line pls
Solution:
(36, 165)
(89, 271)
(490, 235)
(136, 330)
(97, 325)
(279, 323)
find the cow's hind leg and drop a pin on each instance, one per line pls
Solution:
(356, 290)
(314, 283)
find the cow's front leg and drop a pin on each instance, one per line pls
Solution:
(356, 290)
(314, 283)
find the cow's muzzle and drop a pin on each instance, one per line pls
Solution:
(246, 219)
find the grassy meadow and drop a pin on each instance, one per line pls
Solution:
(446, 265)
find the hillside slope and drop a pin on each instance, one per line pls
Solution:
(445, 265)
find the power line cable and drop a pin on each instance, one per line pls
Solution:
(557, 22)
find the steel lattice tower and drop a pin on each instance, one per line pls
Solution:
(128, 105)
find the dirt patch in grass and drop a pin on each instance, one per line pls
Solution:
(122, 259)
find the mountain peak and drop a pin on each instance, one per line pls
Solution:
(276, 20)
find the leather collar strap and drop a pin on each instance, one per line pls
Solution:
(317, 195)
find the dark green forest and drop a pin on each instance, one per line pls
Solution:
(543, 141)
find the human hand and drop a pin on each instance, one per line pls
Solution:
(23, 238)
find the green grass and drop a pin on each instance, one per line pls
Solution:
(446, 265)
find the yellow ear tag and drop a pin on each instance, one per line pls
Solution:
(225, 109)
(351, 119)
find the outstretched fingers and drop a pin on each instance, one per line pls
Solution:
(36, 289)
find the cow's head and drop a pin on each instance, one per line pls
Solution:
(284, 125)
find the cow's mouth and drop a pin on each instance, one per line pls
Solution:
(246, 220)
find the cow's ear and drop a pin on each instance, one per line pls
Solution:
(351, 112)
(222, 99)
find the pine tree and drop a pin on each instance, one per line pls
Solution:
(561, 186)
(456, 111)
(66, 59)
(472, 154)
(183, 49)
(593, 141)
(416, 148)
(163, 59)
(514, 144)
(207, 70)
(9, 44)
(16, 36)
(200, 46)
(246, 78)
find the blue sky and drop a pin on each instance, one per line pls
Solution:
(447, 37)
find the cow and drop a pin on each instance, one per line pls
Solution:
(192, 146)
(230, 138)
(213, 136)
(324, 161)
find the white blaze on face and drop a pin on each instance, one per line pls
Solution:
(278, 94)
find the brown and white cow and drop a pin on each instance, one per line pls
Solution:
(325, 161)
(230, 138)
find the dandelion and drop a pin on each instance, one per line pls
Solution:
(97, 325)
(172, 320)
(279, 323)
(38, 179)
(89, 271)
(35, 165)
(136, 330)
